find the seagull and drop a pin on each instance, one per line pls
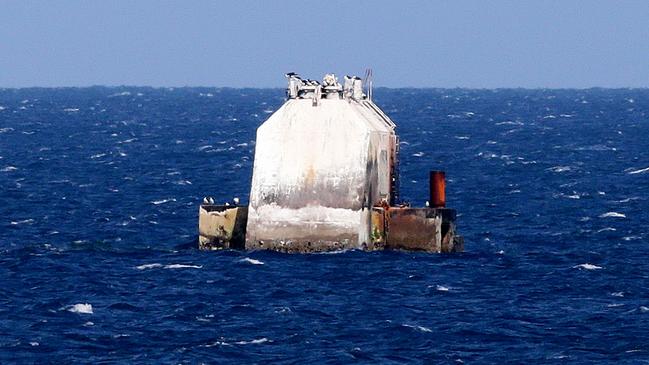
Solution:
(211, 200)
(205, 201)
(227, 204)
(235, 201)
(427, 203)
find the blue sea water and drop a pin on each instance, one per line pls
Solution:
(99, 194)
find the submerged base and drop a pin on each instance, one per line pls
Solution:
(414, 229)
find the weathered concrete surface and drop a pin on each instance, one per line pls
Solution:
(221, 227)
(317, 172)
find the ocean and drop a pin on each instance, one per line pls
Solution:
(99, 195)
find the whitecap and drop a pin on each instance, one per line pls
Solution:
(418, 328)
(34, 343)
(587, 267)
(71, 110)
(509, 123)
(123, 93)
(158, 202)
(81, 308)
(251, 261)
(612, 215)
(618, 294)
(560, 168)
(5, 130)
(644, 309)
(183, 266)
(98, 155)
(462, 137)
(607, 229)
(217, 343)
(9, 168)
(441, 288)
(182, 182)
(204, 147)
(148, 266)
(253, 342)
(418, 154)
(638, 171)
(25, 221)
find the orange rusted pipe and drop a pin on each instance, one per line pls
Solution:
(437, 189)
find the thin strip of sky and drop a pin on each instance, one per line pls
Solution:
(479, 44)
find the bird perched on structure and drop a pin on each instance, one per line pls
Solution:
(211, 200)
(205, 201)
(235, 200)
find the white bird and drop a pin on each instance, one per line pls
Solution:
(235, 201)
(211, 200)
(205, 201)
(227, 204)
(427, 203)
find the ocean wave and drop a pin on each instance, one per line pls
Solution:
(251, 261)
(81, 308)
(162, 201)
(183, 266)
(612, 215)
(560, 168)
(418, 328)
(441, 288)
(587, 266)
(253, 342)
(24, 221)
(641, 171)
(169, 266)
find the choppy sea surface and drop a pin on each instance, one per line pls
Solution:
(99, 194)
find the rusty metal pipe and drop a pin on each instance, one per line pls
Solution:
(437, 189)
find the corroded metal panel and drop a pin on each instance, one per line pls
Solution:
(425, 229)
(221, 227)
(414, 229)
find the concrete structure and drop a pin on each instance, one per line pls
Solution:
(325, 177)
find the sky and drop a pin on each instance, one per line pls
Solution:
(474, 44)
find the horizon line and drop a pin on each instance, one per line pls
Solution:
(3, 88)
